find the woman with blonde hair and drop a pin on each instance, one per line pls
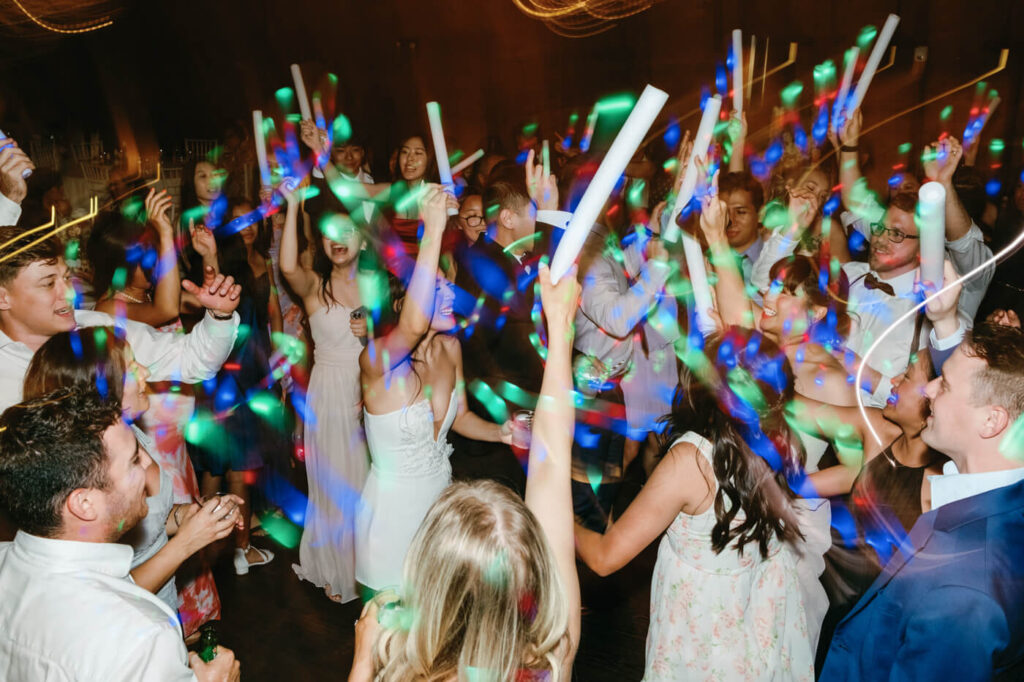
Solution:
(490, 589)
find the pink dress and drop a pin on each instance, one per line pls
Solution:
(169, 412)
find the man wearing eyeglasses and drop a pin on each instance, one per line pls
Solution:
(883, 289)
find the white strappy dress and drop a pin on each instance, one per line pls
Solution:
(409, 469)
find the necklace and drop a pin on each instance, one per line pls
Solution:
(129, 297)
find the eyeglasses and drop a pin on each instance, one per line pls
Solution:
(895, 236)
(472, 220)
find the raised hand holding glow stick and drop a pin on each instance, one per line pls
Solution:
(839, 115)
(737, 71)
(467, 162)
(261, 147)
(931, 224)
(874, 59)
(700, 149)
(440, 149)
(300, 94)
(608, 173)
(24, 173)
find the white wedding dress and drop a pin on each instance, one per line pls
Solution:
(409, 469)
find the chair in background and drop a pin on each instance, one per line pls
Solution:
(198, 149)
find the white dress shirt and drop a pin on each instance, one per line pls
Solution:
(9, 211)
(952, 486)
(872, 311)
(188, 358)
(69, 611)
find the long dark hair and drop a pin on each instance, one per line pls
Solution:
(734, 394)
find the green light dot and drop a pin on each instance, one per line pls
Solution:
(867, 35)
(946, 111)
(791, 93)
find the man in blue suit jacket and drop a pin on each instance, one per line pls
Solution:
(950, 603)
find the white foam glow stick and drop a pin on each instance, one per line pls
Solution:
(700, 149)
(608, 173)
(467, 162)
(852, 55)
(25, 173)
(750, 67)
(737, 71)
(932, 228)
(545, 156)
(440, 149)
(874, 59)
(699, 281)
(261, 147)
(300, 94)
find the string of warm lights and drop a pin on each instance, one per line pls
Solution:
(580, 18)
(66, 29)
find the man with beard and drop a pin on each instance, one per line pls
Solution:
(73, 479)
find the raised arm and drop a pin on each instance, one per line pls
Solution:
(734, 306)
(13, 188)
(856, 195)
(801, 212)
(548, 481)
(737, 132)
(304, 282)
(383, 354)
(198, 355)
(166, 302)
(940, 162)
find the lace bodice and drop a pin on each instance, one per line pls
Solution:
(402, 442)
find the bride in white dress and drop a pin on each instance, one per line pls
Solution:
(413, 393)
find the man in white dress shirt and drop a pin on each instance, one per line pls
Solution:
(72, 478)
(883, 289)
(35, 304)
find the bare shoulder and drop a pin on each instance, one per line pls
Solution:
(687, 470)
(684, 460)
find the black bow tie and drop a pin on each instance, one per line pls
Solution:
(872, 282)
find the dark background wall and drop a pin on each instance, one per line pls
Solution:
(177, 68)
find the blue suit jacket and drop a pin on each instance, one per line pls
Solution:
(950, 603)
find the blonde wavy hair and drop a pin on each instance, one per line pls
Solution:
(482, 593)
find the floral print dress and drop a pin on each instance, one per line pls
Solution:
(726, 616)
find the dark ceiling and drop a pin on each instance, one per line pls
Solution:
(176, 68)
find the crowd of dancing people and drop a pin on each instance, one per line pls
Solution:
(466, 420)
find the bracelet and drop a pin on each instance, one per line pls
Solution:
(216, 316)
(848, 148)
